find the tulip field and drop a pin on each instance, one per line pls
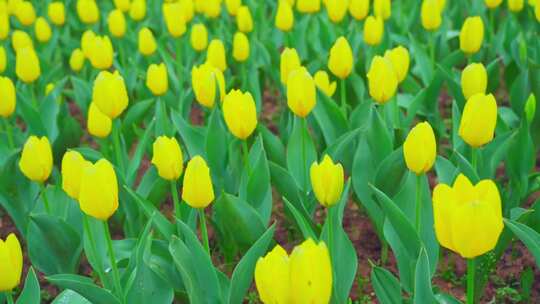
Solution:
(269, 151)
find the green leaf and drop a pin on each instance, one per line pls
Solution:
(386, 286)
(528, 236)
(31, 292)
(193, 137)
(215, 141)
(142, 145)
(69, 296)
(272, 145)
(85, 287)
(423, 292)
(284, 182)
(392, 173)
(136, 112)
(301, 154)
(303, 221)
(330, 118)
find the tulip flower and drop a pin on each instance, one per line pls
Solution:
(359, 9)
(101, 52)
(373, 30)
(515, 5)
(42, 30)
(3, 59)
(244, 22)
(204, 80)
(212, 8)
(167, 158)
(431, 15)
(147, 42)
(8, 98)
(4, 25)
(420, 149)
(336, 9)
(25, 13)
(57, 13)
(76, 60)
(471, 35)
(272, 276)
(215, 55)
(240, 47)
(198, 6)
(474, 80)
(308, 6)
(478, 121)
(27, 65)
(322, 81)
(199, 37)
(174, 19)
(340, 61)
(233, 6)
(49, 88)
(137, 10)
(198, 191)
(284, 20)
(36, 159)
(98, 194)
(382, 80)
(73, 166)
(399, 57)
(98, 124)
(289, 61)
(87, 39)
(122, 5)
(20, 40)
(110, 94)
(301, 92)
(537, 12)
(188, 9)
(88, 11)
(11, 264)
(157, 79)
(382, 8)
(327, 181)
(492, 4)
(240, 113)
(117, 23)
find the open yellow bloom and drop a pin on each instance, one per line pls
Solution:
(431, 15)
(11, 263)
(167, 157)
(400, 59)
(240, 113)
(88, 11)
(57, 13)
(478, 121)
(373, 30)
(42, 30)
(73, 165)
(244, 22)
(359, 9)
(157, 79)
(199, 37)
(240, 47)
(98, 124)
(289, 61)
(301, 92)
(197, 191)
(36, 159)
(284, 17)
(205, 79)
(98, 195)
(322, 81)
(117, 23)
(382, 80)
(340, 61)
(327, 181)
(471, 35)
(109, 93)
(420, 149)
(8, 98)
(272, 277)
(473, 80)
(27, 65)
(147, 42)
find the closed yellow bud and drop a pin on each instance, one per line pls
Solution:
(382, 8)
(289, 61)
(491, 4)
(188, 9)
(87, 39)
(42, 30)
(122, 5)
(240, 47)
(8, 98)
(76, 60)
(57, 13)
(174, 18)
(12, 6)
(73, 165)
(301, 92)
(400, 59)
(137, 10)
(442, 4)
(467, 218)
(147, 42)
(244, 22)
(101, 52)
(157, 79)
(212, 8)
(25, 13)
(359, 9)
(272, 277)
(215, 55)
(110, 94)
(21, 40)
(27, 65)
(204, 79)
(515, 5)
(88, 11)
(117, 23)
(3, 59)
(341, 61)
(4, 25)
(36, 159)
(322, 81)
(311, 273)
(98, 195)
(327, 181)
(471, 35)
(199, 6)
(308, 6)
(284, 17)
(11, 263)
(233, 6)
(167, 157)
(537, 12)
(431, 15)
(473, 80)
(199, 37)
(478, 121)
(49, 88)
(98, 124)
(336, 9)
(197, 190)
(420, 149)
(373, 30)
(382, 80)
(240, 113)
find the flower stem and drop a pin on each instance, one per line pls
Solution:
(432, 49)
(343, 98)
(174, 192)
(44, 197)
(474, 159)
(470, 281)
(179, 67)
(396, 113)
(117, 148)
(87, 230)
(112, 259)
(204, 231)
(418, 201)
(9, 297)
(304, 173)
(246, 155)
(9, 133)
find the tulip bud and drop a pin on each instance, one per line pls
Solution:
(73, 165)
(11, 263)
(478, 120)
(117, 23)
(492, 4)
(382, 8)
(42, 30)
(187, 9)
(137, 10)
(515, 5)
(530, 108)
(272, 276)
(215, 55)
(87, 39)
(199, 6)
(289, 61)
(98, 124)
(233, 6)
(25, 13)
(284, 17)
(204, 80)
(199, 37)
(327, 181)
(420, 149)
(308, 6)
(98, 195)
(110, 94)
(467, 218)
(399, 57)
(3, 59)
(88, 11)
(8, 98)
(240, 113)
(174, 19)
(322, 81)
(240, 47)
(12, 6)
(212, 8)
(76, 60)
(49, 88)
(341, 62)
(147, 42)
(157, 79)
(198, 191)
(431, 15)
(167, 157)
(101, 52)
(122, 5)
(382, 80)
(474, 80)
(537, 12)
(244, 22)
(359, 9)
(4, 25)
(36, 159)
(301, 92)
(311, 273)
(57, 13)
(373, 30)
(20, 40)
(471, 35)
(27, 65)
(336, 9)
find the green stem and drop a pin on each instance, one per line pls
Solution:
(33, 95)
(418, 201)
(343, 98)
(9, 133)
(9, 297)
(204, 231)
(117, 147)
(246, 156)
(396, 113)
(330, 244)
(87, 230)
(304, 171)
(470, 281)
(432, 49)
(174, 192)
(112, 259)
(44, 197)
(474, 159)
(179, 66)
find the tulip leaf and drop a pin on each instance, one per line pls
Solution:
(423, 292)
(215, 141)
(85, 287)
(193, 137)
(330, 118)
(272, 145)
(304, 222)
(392, 173)
(301, 154)
(31, 292)
(443, 298)
(284, 182)
(135, 162)
(69, 296)
(386, 286)
(528, 236)
(136, 113)
(340, 150)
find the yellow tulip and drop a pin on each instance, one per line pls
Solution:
(12, 6)
(537, 12)
(36, 159)
(187, 9)
(311, 273)
(336, 9)
(167, 157)
(11, 263)
(341, 61)
(137, 10)
(76, 60)
(233, 6)
(25, 13)
(110, 94)
(327, 181)
(359, 9)
(122, 5)
(420, 149)
(215, 55)
(197, 191)
(308, 6)
(199, 37)
(471, 35)
(147, 42)
(49, 88)
(20, 40)
(101, 52)
(57, 13)
(199, 6)
(212, 8)
(301, 92)
(117, 23)
(431, 15)
(3, 59)
(272, 277)
(244, 22)
(98, 195)
(492, 4)
(98, 124)
(157, 79)
(382, 8)
(515, 5)
(240, 47)
(467, 218)
(42, 30)
(289, 61)
(400, 59)
(73, 165)
(478, 121)
(284, 17)
(474, 80)
(4, 25)
(27, 65)
(240, 113)
(204, 79)
(87, 39)
(8, 98)
(373, 30)
(382, 80)
(322, 81)
(174, 19)
(88, 11)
